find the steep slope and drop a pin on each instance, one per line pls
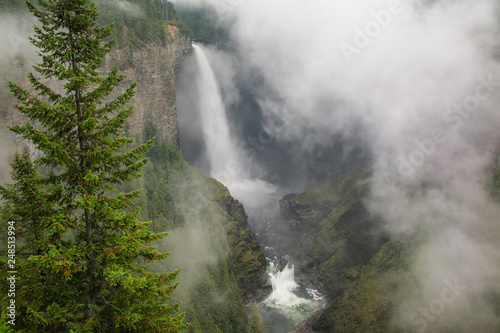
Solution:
(331, 232)
(210, 240)
(343, 249)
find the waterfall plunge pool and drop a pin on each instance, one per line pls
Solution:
(289, 303)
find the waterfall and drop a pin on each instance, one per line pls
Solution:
(288, 303)
(220, 146)
(227, 164)
(283, 283)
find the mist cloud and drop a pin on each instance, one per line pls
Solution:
(16, 49)
(413, 87)
(130, 8)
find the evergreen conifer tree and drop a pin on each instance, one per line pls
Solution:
(82, 254)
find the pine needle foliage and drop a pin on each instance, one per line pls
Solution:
(83, 255)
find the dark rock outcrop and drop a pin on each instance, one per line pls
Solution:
(247, 260)
(303, 216)
(331, 236)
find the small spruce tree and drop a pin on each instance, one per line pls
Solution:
(82, 253)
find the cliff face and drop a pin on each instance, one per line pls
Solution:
(153, 66)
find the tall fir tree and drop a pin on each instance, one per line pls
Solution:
(83, 255)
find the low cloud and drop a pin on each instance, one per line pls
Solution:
(410, 89)
(128, 7)
(15, 30)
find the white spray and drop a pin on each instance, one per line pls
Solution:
(226, 161)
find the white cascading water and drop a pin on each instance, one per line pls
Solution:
(284, 297)
(229, 166)
(226, 162)
(283, 283)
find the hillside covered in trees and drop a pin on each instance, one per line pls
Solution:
(226, 263)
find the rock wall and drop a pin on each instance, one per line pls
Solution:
(153, 66)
